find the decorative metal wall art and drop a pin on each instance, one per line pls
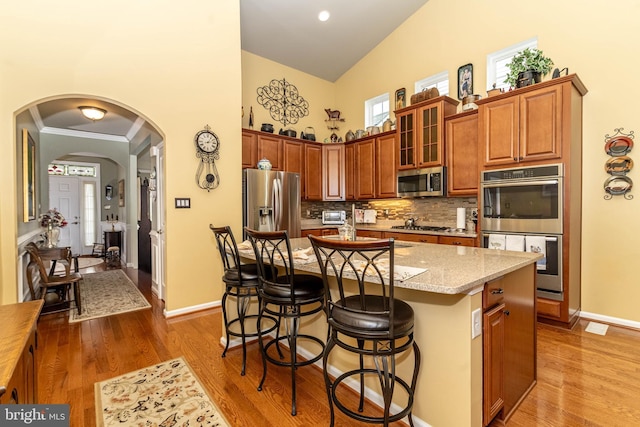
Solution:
(283, 101)
(617, 146)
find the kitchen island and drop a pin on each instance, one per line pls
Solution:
(449, 391)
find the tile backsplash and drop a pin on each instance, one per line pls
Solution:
(439, 211)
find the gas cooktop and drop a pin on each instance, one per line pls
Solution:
(420, 227)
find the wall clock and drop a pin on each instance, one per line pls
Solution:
(207, 150)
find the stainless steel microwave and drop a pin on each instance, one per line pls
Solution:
(423, 182)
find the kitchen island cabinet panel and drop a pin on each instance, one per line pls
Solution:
(443, 298)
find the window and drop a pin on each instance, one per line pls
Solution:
(439, 81)
(376, 110)
(89, 210)
(497, 63)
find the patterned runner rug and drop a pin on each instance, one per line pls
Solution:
(107, 293)
(166, 394)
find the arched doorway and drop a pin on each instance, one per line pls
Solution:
(124, 139)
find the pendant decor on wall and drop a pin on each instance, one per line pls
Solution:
(283, 101)
(618, 146)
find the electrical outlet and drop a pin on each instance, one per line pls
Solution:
(476, 323)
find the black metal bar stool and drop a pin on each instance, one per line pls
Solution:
(241, 281)
(364, 310)
(288, 296)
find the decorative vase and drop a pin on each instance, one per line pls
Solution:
(53, 235)
(264, 164)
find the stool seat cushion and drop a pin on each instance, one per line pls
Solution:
(306, 287)
(249, 274)
(113, 248)
(370, 323)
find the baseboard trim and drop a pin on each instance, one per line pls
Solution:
(192, 309)
(611, 320)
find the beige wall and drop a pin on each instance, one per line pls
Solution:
(176, 63)
(170, 61)
(320, 94)
(597, 43)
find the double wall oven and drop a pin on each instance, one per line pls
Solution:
(528, 203)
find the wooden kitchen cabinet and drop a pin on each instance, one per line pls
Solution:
(365, 155)
(370, 168)
(270, 147)
(463, 174)
(18, 367)
(333, 172)
(313, 172)
(531, 124)
(493, 362)
(369, 233)
(319, 232)
(421, 134)
(509, 343)
(293, 157)
(411, 237)
(349, 172)
(385, 173)
(457, 241)
(249, 150)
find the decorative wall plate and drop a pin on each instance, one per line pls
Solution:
(617, 186)
(618, 145)
(618, 165)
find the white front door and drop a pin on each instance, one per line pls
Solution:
(64, 196)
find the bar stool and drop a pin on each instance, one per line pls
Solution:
(241, 282)
(113, 256)
(381, 325)
(287, 295)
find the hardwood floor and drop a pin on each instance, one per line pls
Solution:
(583, 379)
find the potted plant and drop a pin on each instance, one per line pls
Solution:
(528, 66)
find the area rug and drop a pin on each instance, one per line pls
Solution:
(107, 293)
(82, 263)
(166, 394)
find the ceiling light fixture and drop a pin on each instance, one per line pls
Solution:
(93, 113)
(324, 15)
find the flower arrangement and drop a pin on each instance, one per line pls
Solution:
(53, 217)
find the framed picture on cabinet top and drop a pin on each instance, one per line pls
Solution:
(401, 98)
(465, 81)
(28, 177)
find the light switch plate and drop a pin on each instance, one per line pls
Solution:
(183, 203)
(476, 323)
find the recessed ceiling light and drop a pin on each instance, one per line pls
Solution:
(324, 15)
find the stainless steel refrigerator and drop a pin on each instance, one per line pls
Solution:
(271, 201)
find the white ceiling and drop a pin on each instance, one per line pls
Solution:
(284, 31)
(289, 32)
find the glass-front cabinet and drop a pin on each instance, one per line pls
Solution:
(420, 131)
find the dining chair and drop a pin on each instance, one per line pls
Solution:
(288, 296)
(361, 308)
(54, 289)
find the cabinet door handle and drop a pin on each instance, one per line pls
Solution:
(497, 291)
(507, 312)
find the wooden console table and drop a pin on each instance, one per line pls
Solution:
(18, 363)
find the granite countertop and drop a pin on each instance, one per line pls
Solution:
(449, 269)
(387, 226)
